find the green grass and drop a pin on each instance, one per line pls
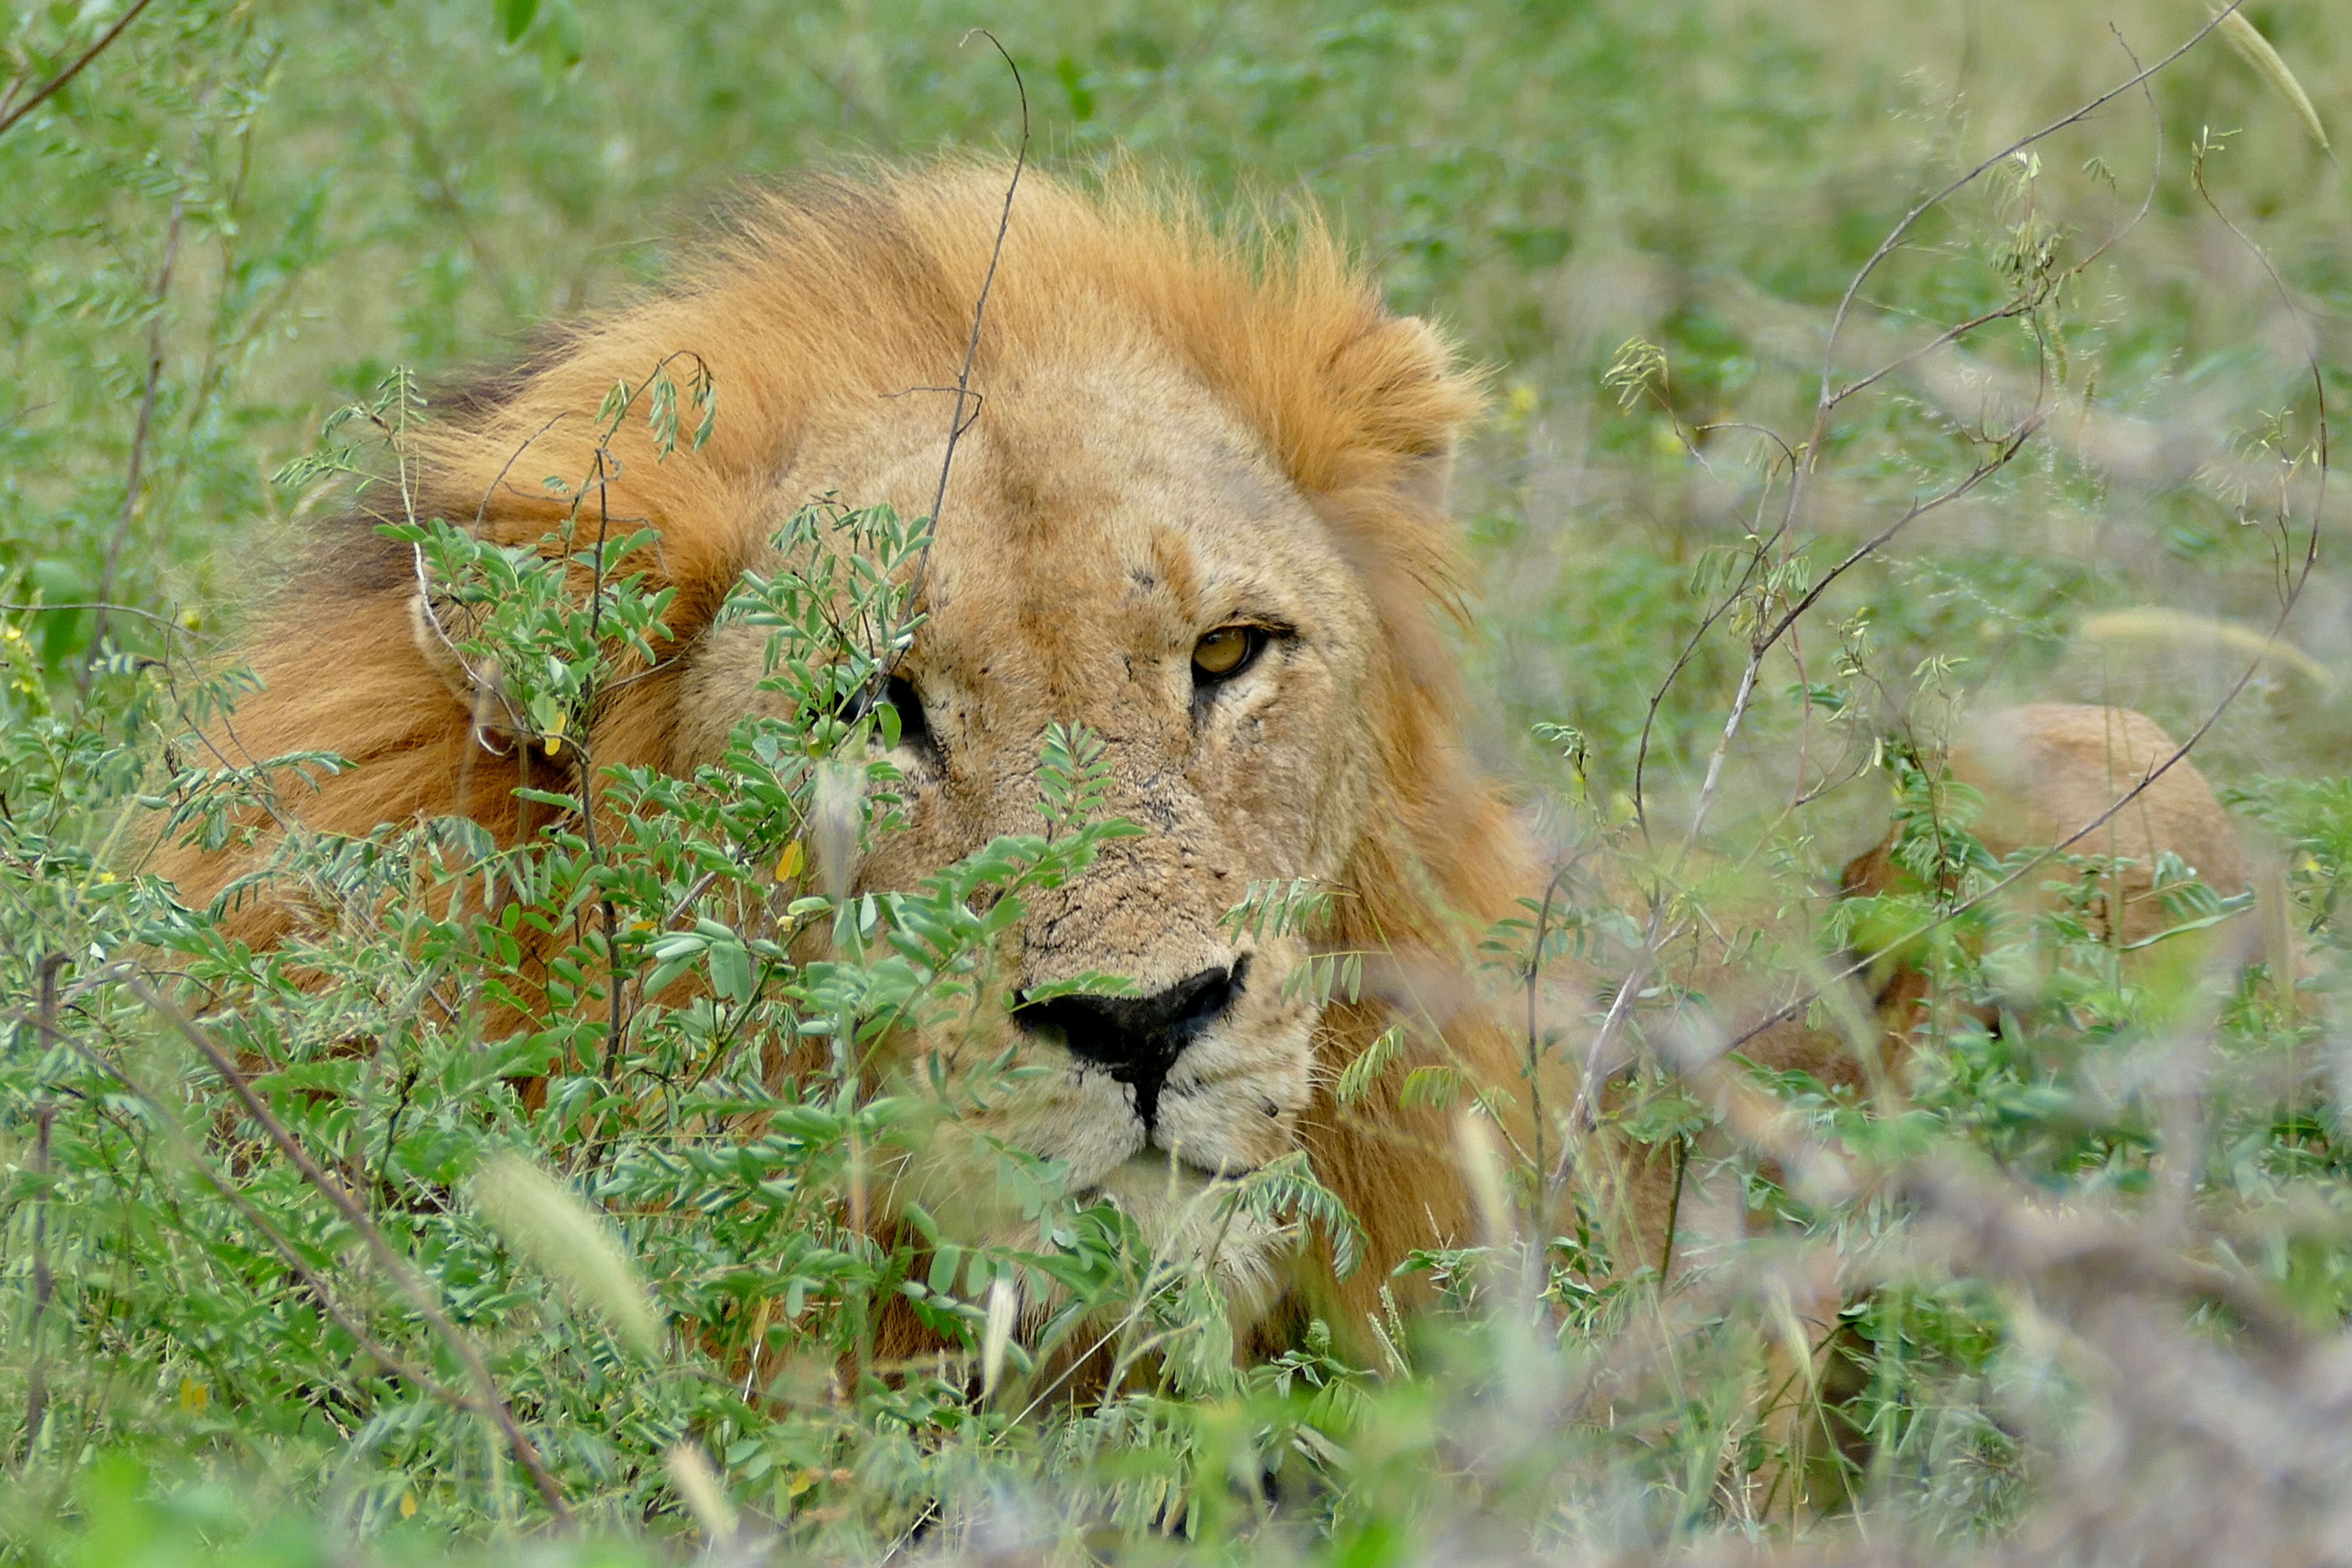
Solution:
(242, 217)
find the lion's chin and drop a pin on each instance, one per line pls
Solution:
(1178, 1180)
(1191, 1219)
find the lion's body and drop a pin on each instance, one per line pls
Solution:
(1174, 433)
(2045, 772)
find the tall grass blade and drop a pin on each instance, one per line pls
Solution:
(542, 1219)
(2258, 52)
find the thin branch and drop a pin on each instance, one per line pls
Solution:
(2294, 597)
(1895, 236)
(1827, 399)
(321, 1291)
(2311, 364)
(2051, 284)
(9, 116)
(958, 424)
(131, 479)
(44, 1111)
(2015, 307)
(1682, 662)
(2010, 445)
(104, 607)
(1656, 935)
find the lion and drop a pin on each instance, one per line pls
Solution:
(1196, 505)
(2044, 771)
(2077, 777)
(2080, 777)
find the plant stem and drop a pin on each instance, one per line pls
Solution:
(135, 474)
(10, 114)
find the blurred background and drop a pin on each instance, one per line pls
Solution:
(241, 216)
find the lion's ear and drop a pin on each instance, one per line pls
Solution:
(435, 623)
(1427, 399)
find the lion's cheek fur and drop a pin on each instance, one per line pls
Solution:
(958, 1171)
(1233, 1099)
(960, 1174)
(1191, 1219)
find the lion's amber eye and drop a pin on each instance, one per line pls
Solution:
(1224, 653)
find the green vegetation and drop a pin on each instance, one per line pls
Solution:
(2098, 1249)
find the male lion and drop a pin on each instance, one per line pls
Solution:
(1199, 509)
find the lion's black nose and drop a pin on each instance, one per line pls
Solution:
(1137, 1039)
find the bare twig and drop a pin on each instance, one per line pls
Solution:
(1829, 399)
(964, 397)
(2311, 364)
(10, 112)
(131, 479)
(2015, 307)
(111, 608)
(2292, 596)
(45, 1116)
(2049, 285)
(1657, 935)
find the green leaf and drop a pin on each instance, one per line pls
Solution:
(731, 970)
(1358, 1076)
(514, 17)
(1074, 83)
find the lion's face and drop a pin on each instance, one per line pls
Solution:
(1116, 550)
(1196, 512)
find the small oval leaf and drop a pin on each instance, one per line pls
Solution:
(514, 17)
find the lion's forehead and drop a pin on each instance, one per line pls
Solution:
(1109, 512)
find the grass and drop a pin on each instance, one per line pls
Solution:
(2098, 1257)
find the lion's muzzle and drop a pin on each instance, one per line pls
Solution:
(1137, 1039)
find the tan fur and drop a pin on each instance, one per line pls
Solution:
(1179, 430)
(2046, 770)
